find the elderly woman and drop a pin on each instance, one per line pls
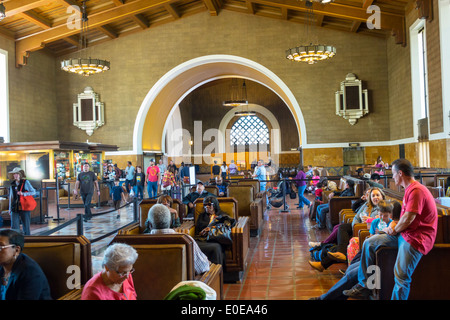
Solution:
(19, 187)
(114, 282)
(21, 277)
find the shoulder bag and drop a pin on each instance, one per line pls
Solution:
(27, 202)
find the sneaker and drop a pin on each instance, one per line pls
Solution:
(316, 265)
(357, 292)
(337, 256)
(313, 244)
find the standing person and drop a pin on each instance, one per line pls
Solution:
(129, 176)
(215, 170)
(110, 177)
(139, 183)
(85, 182)
(301, 185)
(414, 235)
(21, 278)
(232, 168)
(224, 170)
(117, 196)
(168, 180)
(162, 168)
(19, 187)
(260, 174)
(153, 177)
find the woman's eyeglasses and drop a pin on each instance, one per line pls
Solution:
(8, 246)
(208, 204)
(125, 274)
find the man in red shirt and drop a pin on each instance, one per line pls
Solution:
(152, 177)
(414, 235)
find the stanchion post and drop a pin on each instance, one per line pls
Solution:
(80, 231)
(57, 199)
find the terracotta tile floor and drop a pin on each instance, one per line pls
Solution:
(278, 261)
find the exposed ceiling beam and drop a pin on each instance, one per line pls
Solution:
(37, 41)
(36, 19)
(212, 6)
(250, 7)
(19, 6)
(173, 12)
(108, 31)
(141, 21)
(389, 21)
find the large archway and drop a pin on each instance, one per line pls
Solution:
(160, 102)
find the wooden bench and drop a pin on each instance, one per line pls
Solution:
(164, 261)
(55, 254)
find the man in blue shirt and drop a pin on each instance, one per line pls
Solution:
(129, 171)
(260, 174)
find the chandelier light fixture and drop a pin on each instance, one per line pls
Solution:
(82, 65)
(238, 95)
(313, 52)
(2, 11)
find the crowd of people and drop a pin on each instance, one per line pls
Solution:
(411, 227)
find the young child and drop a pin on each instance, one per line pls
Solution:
(117, 195)
(385, 211)
(395, 214)
(318, 191)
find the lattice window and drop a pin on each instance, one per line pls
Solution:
(249, 130)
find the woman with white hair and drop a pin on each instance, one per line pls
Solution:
(114, 282)
(19, 187)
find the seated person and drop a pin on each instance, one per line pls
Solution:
(159, 218)
(322, 209)
(199, 192)
(212, 213)
(373, 180)
(174, 217)
(114, 282)
(21, 277)
(219, 183)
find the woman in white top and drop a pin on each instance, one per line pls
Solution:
(224, 170)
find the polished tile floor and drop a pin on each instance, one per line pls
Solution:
(278, 261)
(277, 267)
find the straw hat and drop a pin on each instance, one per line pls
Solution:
(16, 170)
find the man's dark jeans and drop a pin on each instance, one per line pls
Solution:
(87, 197)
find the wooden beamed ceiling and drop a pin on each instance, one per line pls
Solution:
(38, 24)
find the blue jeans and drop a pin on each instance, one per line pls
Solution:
(87, 197)
(406, 263)
(152, 189)
(139, 192)
(349, 279)
(302, 200)
(25, 216)
(320, 215)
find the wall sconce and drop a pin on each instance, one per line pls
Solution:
(88, 113)
(352, 101)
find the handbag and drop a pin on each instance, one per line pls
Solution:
(220, 230)
(27, 202)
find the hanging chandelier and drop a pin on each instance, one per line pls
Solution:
(313, 52)
(238, 95)
(82, 65)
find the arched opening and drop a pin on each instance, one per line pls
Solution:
(161, 101)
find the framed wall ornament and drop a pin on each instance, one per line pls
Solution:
(352, 101)
(88, 112)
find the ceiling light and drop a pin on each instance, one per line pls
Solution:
(83, 65)
(311, 53)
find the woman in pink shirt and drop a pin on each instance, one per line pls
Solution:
(114, 282)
